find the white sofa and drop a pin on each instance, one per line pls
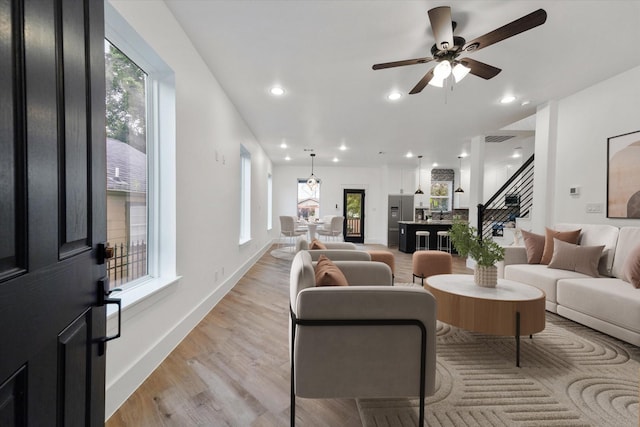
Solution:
(608, 303)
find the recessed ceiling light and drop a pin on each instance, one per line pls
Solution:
(435, 165)
(283, 145)
(335, 160)
(409, 155)
(393, 96)
(287, 158)
(525, 102)
(343, 147)
(463, 154)
(277, 91)
(507, 99)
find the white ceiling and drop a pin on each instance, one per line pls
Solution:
(321, 53)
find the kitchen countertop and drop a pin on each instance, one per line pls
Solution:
(432, 222)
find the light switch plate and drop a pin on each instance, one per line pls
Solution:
(594, 207)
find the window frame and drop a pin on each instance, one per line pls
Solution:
(448, 197)
(269, 201)
(161, 167)
(303, 181)
(245, 195)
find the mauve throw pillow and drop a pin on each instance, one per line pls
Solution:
(534, 245)
(328, 274)
(631, 267)
(565, 236)
(581, 259)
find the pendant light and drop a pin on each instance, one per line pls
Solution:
(419, 190)
(312, 181)
(459, 189)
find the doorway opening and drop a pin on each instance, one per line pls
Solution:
(353, 203)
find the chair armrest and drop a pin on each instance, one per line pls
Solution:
(512, 255)
(340, 255)
(362, 273)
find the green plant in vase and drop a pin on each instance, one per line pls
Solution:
(485, 252)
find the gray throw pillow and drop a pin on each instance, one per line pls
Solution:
(581, 259)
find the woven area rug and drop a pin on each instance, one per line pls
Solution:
(286, 252)
(570, 375)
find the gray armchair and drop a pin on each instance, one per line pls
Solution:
(288, 227)
(365, 340)
(333, 229)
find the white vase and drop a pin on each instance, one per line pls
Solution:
(487, 277)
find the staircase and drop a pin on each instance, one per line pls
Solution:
(514, 199)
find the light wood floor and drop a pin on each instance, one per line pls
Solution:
(233, 368)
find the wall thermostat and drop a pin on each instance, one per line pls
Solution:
(574, 191)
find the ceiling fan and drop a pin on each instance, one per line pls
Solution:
(448, 47)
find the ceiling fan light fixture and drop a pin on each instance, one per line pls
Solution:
(442, 70)
(436, 82)
(459, 72)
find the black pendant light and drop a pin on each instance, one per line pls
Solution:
(312, 181)
(459, 189)
(419, 190)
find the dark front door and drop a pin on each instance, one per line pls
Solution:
(52, 212)
(354, 216)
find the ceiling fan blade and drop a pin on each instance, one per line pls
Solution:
(442, 26)
(518, 26)
(480, 69)
(402, 63)
(422, 83)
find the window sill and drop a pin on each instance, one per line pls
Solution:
(137, 294)
(244, 242)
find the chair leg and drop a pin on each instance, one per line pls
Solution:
(292, 406)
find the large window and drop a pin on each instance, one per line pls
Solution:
(141, 168)
(245, 195)
(440, 196)
(308, 200)
(127, 167)
(269, 202)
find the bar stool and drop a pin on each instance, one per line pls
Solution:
(419, 236)
(444, 241)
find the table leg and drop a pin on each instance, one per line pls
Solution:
(518, 339)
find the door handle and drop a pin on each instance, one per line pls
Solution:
(103, 299)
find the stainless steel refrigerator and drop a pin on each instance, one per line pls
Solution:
(400, 209)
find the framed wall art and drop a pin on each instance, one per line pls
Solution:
(623, 176)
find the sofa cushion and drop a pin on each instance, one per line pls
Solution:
(608, 299)
(540, 276)
(328, 274)
(583, 259)
(317, 244)
(534, 244)
(631, 269)
(627, 240)
(566, 236)
(595, 235)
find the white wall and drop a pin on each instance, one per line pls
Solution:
(585, 121)
(377, 183)
(209, 132)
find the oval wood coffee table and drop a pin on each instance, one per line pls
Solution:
(511, 308)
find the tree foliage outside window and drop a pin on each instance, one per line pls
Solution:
(440, 193)
(125, 97)
(353, 205)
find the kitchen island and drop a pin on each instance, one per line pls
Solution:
(407, 231)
